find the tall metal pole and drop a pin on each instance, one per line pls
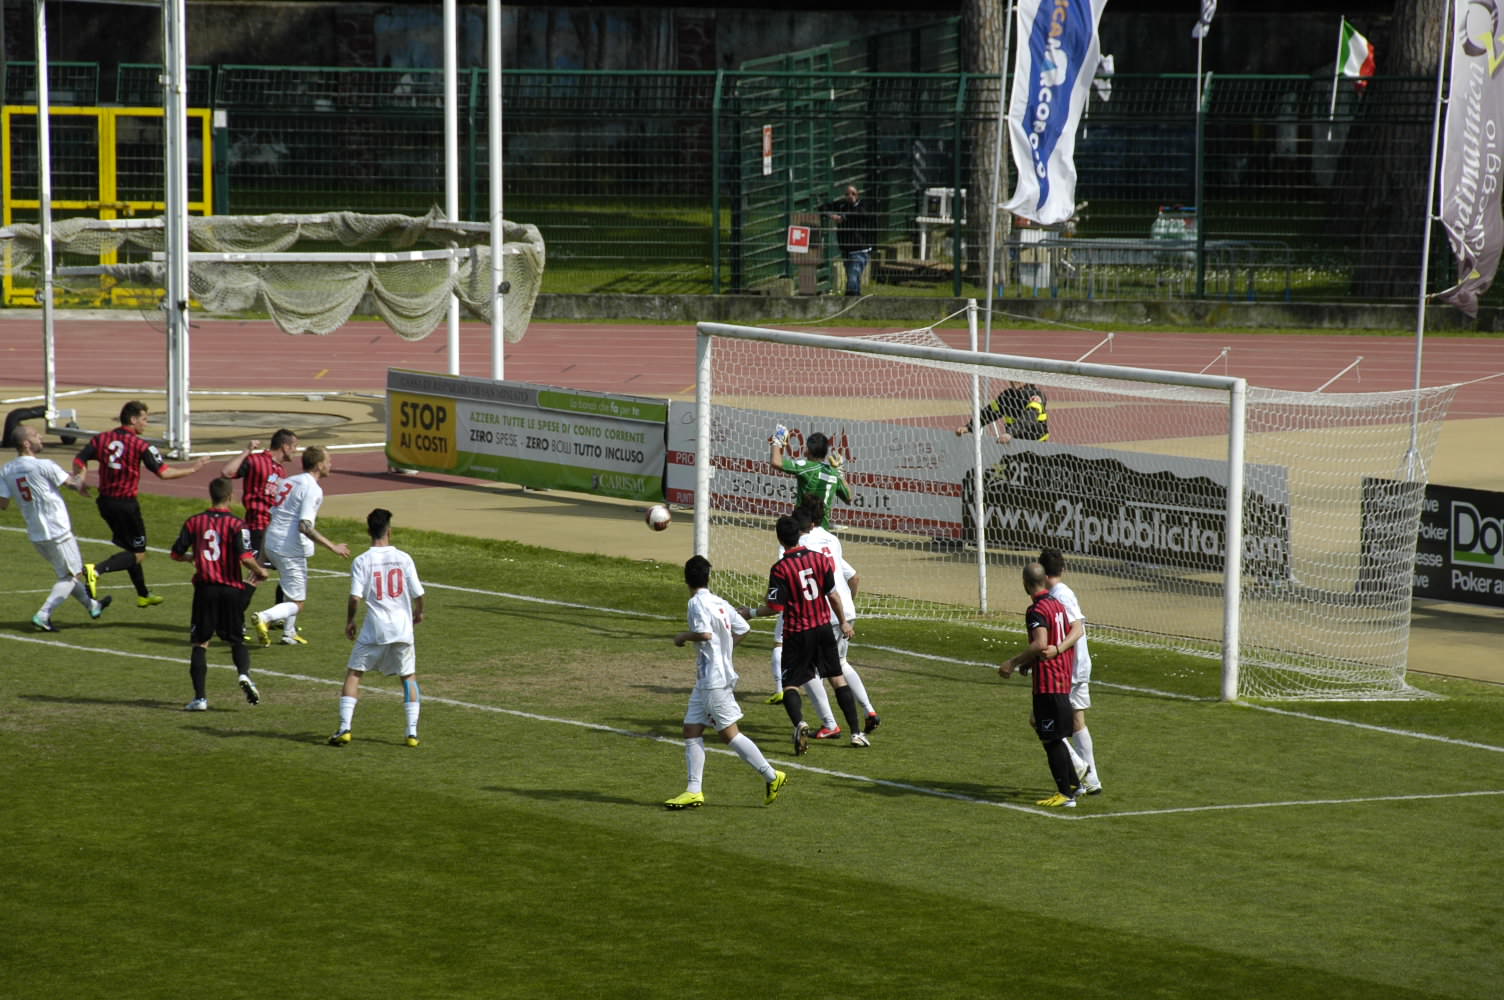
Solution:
(998, 173)
(175, 134)
(44, 199)
(452, 167)
(498, 300)
(1412, 458)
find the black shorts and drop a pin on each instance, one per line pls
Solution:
(123, 515)
(1053, 717)
(809, 654)
(217, 611)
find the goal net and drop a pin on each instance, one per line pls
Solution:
(308, 273)
(1134, 485)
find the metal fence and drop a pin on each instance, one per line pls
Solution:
(1250, 188)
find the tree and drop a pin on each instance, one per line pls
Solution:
(982, 36)
(1392, 201)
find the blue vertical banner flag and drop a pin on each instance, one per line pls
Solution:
(1057, 57)
(1472, 158)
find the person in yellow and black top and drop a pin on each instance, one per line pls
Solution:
(1021, 407)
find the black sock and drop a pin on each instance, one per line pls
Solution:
(794, 705)
(281, 597)
(242, 658)
(198, 670)
(138, 578)
(117, 562)
(847, 701)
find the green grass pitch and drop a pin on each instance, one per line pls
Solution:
(1317, 850)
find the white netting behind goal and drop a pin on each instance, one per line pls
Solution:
(1131, 486)
(315, 290)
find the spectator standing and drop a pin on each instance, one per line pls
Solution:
(855, 232)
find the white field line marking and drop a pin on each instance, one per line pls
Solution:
(727, 752)
(919, 789)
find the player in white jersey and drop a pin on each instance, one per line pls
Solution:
(383, 578)
(809, 515)
(1083, 753)
(36, 483)
(290, 539)
(715, 628)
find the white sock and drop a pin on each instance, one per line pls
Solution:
(1076, 761)
(857, 687)
(278, 612)
(81, 594)
(346, 710)
(694, 763)
(56, 596)
(412, 701)
(1081, 738)
(777, 668)
(749, 752)
(817, 696)
(290, 624)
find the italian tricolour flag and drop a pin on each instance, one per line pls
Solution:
(1355, 55)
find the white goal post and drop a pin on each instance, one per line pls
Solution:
(1273, 530)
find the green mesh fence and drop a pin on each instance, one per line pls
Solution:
(1255, 188)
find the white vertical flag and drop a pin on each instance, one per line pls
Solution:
(1471, 165)
(1058, 54)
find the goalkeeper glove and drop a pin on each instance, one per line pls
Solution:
(836, 460)
(780, 436)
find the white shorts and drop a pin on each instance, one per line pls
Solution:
(1081, 686)
(293, 575)
(393, 658)
(63, 554)
(716, 708)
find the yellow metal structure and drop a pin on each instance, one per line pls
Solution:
(106, 202)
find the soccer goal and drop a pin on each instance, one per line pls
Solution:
(1272, 529)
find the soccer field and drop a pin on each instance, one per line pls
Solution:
(1332, 850)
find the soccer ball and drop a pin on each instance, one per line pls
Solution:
(658, 517)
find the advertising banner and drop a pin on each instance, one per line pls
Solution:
(531, 435)
(918, 481)
(1459, 544)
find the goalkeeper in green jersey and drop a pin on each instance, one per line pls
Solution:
(819, 474)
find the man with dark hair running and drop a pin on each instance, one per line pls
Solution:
(715, 628)
(799, 586)
(819, 475)
(219, 545)
(121, 453)
(1052, 660)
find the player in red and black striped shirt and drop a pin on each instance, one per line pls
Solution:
(1052, 656)
(121, 453)
(265, 484)
(800, 585)
(219, 545)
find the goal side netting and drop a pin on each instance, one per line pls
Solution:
(1133, 485)
(307, 273)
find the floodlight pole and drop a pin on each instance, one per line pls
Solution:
(452, 168)
(44, 199)
(175, 129)
(493, 107)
